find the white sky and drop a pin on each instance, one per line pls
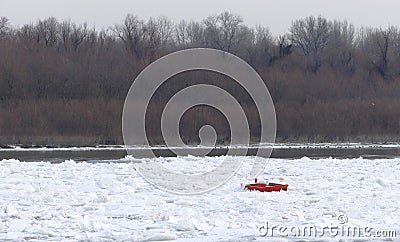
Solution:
(277, 15)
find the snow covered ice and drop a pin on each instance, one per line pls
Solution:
(111, 201)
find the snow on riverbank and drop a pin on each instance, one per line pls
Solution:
(82, 201)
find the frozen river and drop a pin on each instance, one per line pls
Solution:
(111, 201)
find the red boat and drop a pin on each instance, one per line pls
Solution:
(266, 187)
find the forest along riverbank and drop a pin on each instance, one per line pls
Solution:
(117, 153)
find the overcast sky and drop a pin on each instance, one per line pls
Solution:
(277, 15)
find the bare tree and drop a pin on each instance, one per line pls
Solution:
(165, 31)
(264, 42)
(246, 48)
(311, 36)
(78, 34)
(47, 31)
(342, 46)
(91, 39)
(259, 43)
(131, 32)
(285, 47)
(189, 34)
(105, 39)
(376, 45)
(222, 30)
(4, 26)
(195, 32)
(396, 47)
(152, 39)
(180, 33)
(65, 34)
(28, 33)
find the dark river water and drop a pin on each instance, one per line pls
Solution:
(116, 154)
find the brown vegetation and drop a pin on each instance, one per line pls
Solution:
(63, 83)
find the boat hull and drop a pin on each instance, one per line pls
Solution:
(270, 187)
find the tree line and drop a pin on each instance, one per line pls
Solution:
(63, 82)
